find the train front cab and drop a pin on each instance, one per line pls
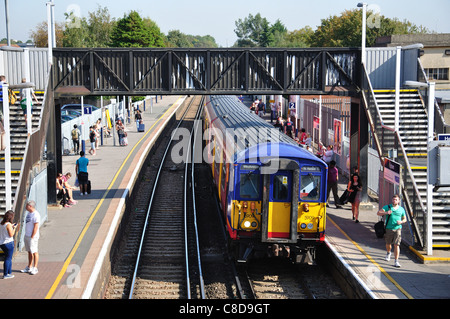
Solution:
(290, 209)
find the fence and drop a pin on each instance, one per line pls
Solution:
(332, 109)
(115, 110)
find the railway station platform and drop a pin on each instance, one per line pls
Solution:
(74, 241)
(359, 256)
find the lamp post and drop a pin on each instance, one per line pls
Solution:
(363, 38)
(50, 31)
(7, 23)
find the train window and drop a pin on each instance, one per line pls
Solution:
(250, 185)
(280, 187)
(310, 187)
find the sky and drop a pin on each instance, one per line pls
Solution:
(217, 18)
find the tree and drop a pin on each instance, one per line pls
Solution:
(177, 39)
(346, 30)
(252, 31)
(100, 26)
(92, 32)
(295, 39)
(40, 34)
(133, 31)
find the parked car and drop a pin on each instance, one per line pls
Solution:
(77, 107)
(66, 118)
(71, 112)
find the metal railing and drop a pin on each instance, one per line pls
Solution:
(439, 122)
(387, 139)
(33, 158)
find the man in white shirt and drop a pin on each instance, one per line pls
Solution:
(328, 155)
(32, 222)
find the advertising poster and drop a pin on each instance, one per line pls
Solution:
(338, 131)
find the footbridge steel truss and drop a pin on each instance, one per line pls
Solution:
(131, 71)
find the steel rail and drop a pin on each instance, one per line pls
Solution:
(191, 155)
(133, 281)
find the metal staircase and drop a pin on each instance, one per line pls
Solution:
(413, 125)
(19, 137)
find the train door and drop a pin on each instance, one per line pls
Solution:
(280, 197)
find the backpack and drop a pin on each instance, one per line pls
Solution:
(12, 97)
(75, 134)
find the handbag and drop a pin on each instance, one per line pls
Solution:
(344, 197)
(380, 227)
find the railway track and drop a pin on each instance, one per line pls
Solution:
(162, 271)
(152, 259)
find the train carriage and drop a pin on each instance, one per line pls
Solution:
(272, 192)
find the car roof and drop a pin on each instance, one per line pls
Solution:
(68, 106)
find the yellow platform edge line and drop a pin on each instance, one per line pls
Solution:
(373, 261)
(91, 218)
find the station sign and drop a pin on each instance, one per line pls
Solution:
(443, 137)
(392, 171)
(87, 110)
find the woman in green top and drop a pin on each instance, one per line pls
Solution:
(396, 217)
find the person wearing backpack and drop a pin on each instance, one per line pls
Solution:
(76, 139)
(393, 236)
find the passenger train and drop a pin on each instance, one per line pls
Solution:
(272, 192)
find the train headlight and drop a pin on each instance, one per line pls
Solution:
(303, 226)
(247, 224)
(310, 226)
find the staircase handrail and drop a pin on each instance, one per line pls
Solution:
(369, 115)
(34, 149)
(436, 104)
(380, 151)
(415, 187)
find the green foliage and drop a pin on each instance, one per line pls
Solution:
(336, 31)
(177, 39)
(253, 31)
(133, 31)
(346, 30)
(92, 32)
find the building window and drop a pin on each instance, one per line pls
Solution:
(437, 74)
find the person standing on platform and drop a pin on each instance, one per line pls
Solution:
(82, 173)
(355, 187)
(120, 128)
(289, 128)
(92, 139)
(76, 139)
(33, 220)
(328, 154)
(393, 236)
(273, 113)
(7, 231)
(332, 184)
